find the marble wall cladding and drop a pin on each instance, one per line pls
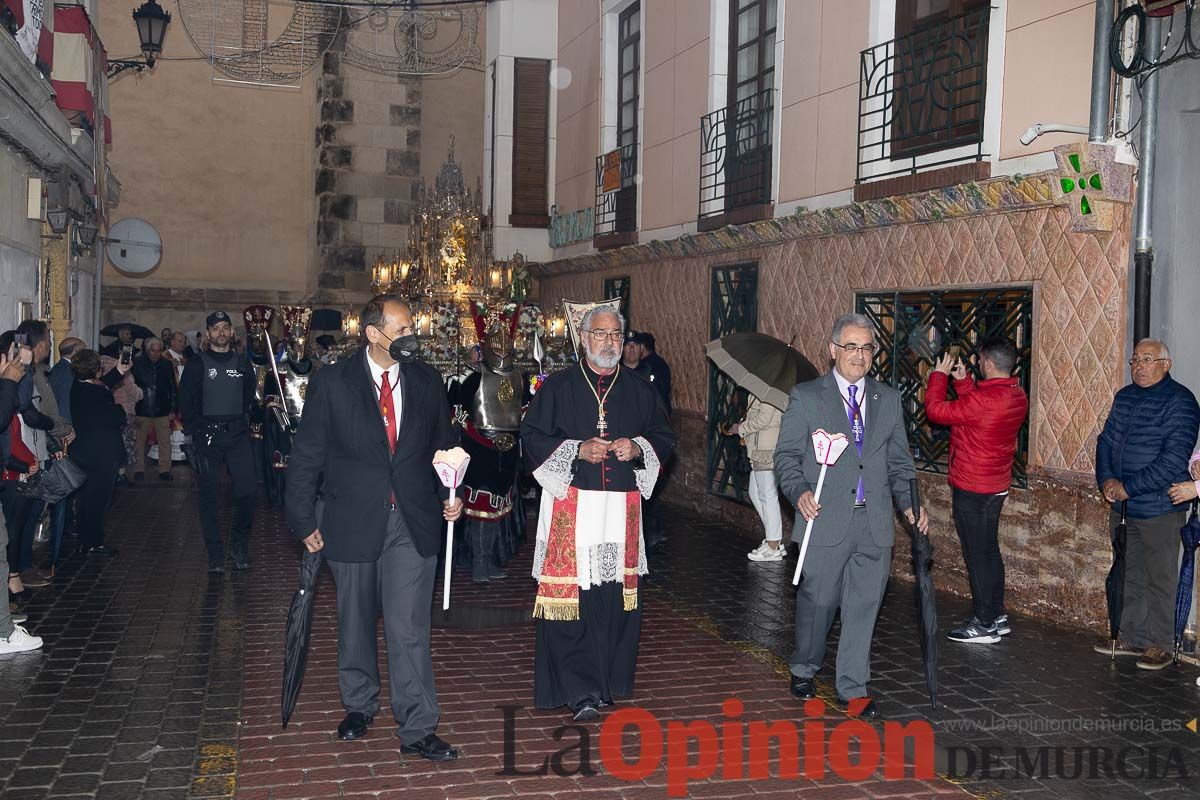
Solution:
(808, 276)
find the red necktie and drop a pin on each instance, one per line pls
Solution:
(387, 407)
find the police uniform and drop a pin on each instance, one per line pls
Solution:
(217, 391)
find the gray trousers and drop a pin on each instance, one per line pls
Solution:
(851, 575)
(6, 623)
(400, 585)
(1151, 579)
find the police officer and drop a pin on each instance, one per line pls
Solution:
(216, 395)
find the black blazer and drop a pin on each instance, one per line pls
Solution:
(341, 451)
(98, 421)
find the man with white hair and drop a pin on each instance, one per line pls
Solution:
(850, 550)
(596, 436)
(1141, 452)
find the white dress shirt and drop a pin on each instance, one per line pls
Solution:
(393, 380)
(859, 395)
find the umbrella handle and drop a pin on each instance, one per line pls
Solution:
(808, 528)
(914, 488)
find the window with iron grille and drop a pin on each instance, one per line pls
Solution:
(616, 171)
(733, 309)
(913, 328)
(619, 288)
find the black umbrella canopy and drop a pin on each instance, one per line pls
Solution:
(295, 638)
(1190, 534)
(922, 555)
(139, 331)
(326, 319)
(762, 365)
(1114, 582)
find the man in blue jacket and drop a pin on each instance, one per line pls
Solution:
(1143, 449)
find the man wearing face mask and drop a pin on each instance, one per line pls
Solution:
(371, 425)
(216, 394)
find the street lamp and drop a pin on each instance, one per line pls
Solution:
(58, 219)
(151, 21)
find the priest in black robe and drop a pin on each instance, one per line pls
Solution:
(596, 436)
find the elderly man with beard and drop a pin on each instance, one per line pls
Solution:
(596, 435)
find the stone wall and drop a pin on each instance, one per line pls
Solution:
(368, 151)
(1003, 231)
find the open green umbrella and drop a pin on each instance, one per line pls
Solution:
(762, 365)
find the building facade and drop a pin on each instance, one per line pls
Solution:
(53, 165)
(759, 165)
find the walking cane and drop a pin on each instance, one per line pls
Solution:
(828, 447)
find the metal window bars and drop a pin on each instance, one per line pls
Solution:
(735, 155)
(913, 328)
(616, 190)
(921, 98)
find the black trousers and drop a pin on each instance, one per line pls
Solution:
(977, 519)
(92, 502)
(232, 448)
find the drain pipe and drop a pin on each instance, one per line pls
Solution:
(1101, 74)
(1143, 255)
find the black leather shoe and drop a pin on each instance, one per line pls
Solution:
(241, 562)
(586, 713)
(869, 711)
(803, 688)
(432, 748)
(216, 569)
(23, 596)
(354, 726)
(102, 550)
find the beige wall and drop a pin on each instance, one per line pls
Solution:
(224, 172)
(577, 83)
(819, 97)
(1047, 71)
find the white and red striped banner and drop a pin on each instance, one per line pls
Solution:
(79, 60)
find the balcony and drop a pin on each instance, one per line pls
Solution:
(616, 197)
(921, 108)
(735, 162)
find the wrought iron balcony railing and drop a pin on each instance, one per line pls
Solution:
(921, 98)
(616, 190)
(735, 155)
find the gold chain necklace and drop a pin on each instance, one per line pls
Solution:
(601, 422)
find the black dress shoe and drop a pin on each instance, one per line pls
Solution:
(23, 596)
(354, 726)
(869, 711)
(432, 748)
(241, 562)
(803, 688)
(102, 550)
(216, 569)
(586, 713)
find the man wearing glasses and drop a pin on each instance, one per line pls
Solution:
(850, 551)
(595, 436)
(1143, 449)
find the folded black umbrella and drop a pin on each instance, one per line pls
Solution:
(1114, 583)
(1190, 534)
(295, 638)
(922, 556)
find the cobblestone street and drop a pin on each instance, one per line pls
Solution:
(157, 682)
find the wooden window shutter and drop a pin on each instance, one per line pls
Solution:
(531, 150)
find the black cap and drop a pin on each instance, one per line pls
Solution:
(634, 337)
(215, 317)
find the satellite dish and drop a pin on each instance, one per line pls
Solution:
(133, 246)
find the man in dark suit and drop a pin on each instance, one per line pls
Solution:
(61, 377)
(850, 551)
(371, 425)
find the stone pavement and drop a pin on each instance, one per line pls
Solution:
(158, 682)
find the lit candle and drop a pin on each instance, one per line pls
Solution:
(495, 279)
(404, 271)
(384, 274)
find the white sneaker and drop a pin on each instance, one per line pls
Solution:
(19, 641)
(764, 552)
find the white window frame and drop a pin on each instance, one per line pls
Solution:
(883, 29)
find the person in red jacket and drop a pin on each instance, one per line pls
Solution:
(984, 422)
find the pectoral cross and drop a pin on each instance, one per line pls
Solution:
(602, 423)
